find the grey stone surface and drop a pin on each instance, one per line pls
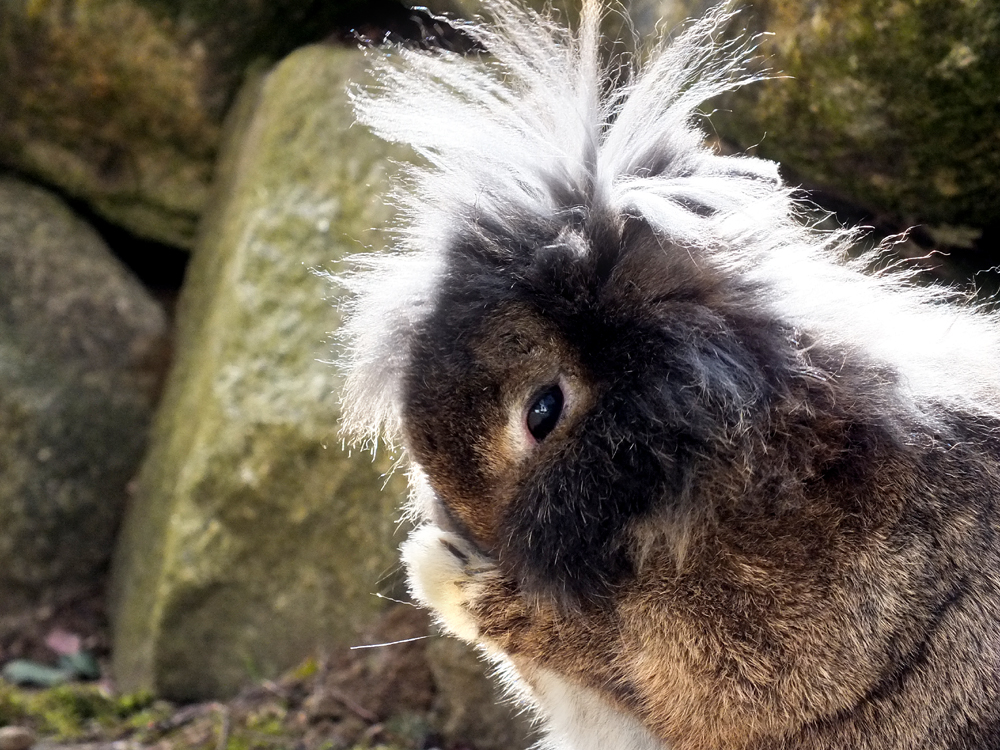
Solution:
(81, 350)
(254, 539)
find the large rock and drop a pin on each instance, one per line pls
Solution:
(81, 349)
(254, 539)
(119, 102)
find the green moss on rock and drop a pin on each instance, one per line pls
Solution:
(75, 712)
(106, 102)
(891, 103)
(119, 103)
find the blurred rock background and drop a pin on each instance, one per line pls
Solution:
(174, 174)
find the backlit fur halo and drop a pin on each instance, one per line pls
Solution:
(535, 135)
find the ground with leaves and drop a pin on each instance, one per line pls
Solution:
(364, 698)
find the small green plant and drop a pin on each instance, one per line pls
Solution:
(12, 708)
(70, 712)
(74, 711)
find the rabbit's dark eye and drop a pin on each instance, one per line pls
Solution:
(543, 414)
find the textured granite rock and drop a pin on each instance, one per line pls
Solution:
(82, 346)
(254, 539)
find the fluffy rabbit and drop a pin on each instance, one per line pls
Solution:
(691, 478)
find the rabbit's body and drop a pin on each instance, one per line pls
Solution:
(691, 482)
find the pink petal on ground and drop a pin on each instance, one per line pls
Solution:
(63, 642)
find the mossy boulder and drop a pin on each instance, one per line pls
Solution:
(254, 539)
(119, 103)
(81, 352)
(103, 101)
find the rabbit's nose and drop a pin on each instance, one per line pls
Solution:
(439, 514)
(443, 518)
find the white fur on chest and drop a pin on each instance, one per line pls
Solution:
(576, 718)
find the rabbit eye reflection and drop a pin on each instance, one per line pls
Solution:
(543, 414)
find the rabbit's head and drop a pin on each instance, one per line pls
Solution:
(566, 382)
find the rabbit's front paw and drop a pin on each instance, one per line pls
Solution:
(446, 575)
